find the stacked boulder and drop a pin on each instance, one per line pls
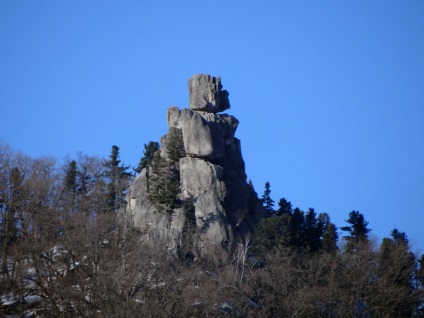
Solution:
(212, 179)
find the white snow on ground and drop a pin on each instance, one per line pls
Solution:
(32, 299)
(9, 299)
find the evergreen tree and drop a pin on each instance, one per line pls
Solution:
(175, 144)
(329, 238)
(357, 230)
(313, 231)
(396, 270)
(284, 207)
(10, 203)
(267, 202)
(85, 178)
(297, 233)
(71, 176)
(118, 179)
(148, 152)
(71, 184)
(399, 238)
(164, 182)
(271, 233)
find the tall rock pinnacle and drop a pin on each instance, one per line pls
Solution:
(194, 197)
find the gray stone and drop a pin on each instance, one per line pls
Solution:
(211, 222)
(206, 94)
(211, 176)
(205, 135)
(155, 226)
(203, 182)
(199, 177)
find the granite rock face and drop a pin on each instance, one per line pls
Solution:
(206, 135)
(214, 206)
(206, 94)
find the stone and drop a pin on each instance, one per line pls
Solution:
(211, 177)
(205, 135)
(202, 182)
(199, 177)
(206, 94)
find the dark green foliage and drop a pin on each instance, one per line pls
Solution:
(313, 231)
(329, 238)
(295, 230)
(396, 270)
(148, 152)
(175, 144)
(118, 180)
(84, 180)
(267, 202)
(358, 226)
(284, 207)
(71, 177)
(399, 238)
(164, 183)
(271, 233)
(156, 163)
(71, 183)
(329, 233)
(357, 230)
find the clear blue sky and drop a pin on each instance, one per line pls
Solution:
(329, 94)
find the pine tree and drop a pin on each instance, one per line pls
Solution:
(313, 231)
(284, 207)
(399, 238)
(175, 144)
(358, 230)
(267, 202)
(396, 269)
(148, 152)
(358, 226)
(118, 179)
(297, 228)
(329, 238)
(71, 176)
(71, 184)
(164, 182)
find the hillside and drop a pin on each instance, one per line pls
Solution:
(186, 235)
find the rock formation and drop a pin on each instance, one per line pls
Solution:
(194, 197)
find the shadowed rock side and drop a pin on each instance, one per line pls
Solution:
(214, 207)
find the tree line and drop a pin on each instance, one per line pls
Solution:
(362, 277)
(67, 251)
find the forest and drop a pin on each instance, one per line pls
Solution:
(67, 251)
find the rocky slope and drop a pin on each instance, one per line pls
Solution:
(194, 197)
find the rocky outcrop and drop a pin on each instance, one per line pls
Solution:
(206, 94)
(206, 135)
(213, 206)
